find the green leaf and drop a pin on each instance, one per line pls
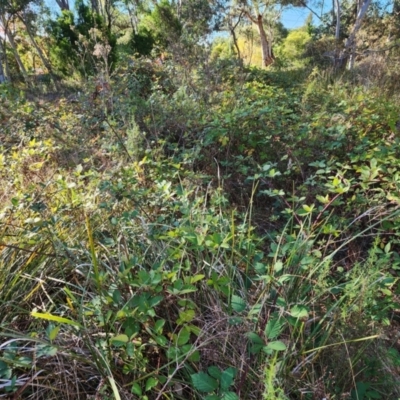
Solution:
(136, 389)
(159, 325)
(52, 334)
(185, 316)
(276, 345)
(5, 370)
(195, 356)
(204, 383)
(44, 350)
(278, 266)
(182, 337)
(299, 311)
(156, 300)
(238, 304)
(119, 340)
(307, 208)
(214, 371)
(150, 383)
(161, 340)
(256, 348)
(323, 200)
(227, 378)
(254, 338)
(235, 321)
(196, 278)
(274, 327)
(229, 396)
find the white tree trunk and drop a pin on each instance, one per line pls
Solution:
(350, 45)
(337, 12)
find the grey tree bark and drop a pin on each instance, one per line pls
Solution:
(14, 49)
(350, 45)
(338, 15)
(63, 4)
(39, 51)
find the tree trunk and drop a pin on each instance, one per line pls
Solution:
(232, 30)
(6, 67)
(3, 61)
(95, 6)
(10, 37)
(337, 12)
(44, 60)
(396, 8)
(266, 48)
(350, 45)
(63, 4)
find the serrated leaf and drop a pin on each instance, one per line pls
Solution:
(238, 304)
(204, 383)
(150, 383)
(227, 378)
(256, 348)
(156, 300)
(229, 396)
(194, 329)
(182, 337)
(274, 327)
(277, 345)
(185, 316)
(214, 371)
(299, 311)
(44, 350)
(254, 338)
(195, 356)
(136, 389)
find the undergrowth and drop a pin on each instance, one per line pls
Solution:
(235, 241)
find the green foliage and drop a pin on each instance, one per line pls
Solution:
(216, 381)
(226, 233)
(294, 44)
(75, 39)
(163, 25)
(142, 43)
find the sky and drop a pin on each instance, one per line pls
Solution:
(294, 17)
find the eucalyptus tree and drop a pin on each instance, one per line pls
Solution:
(264, 14)
(8, 23)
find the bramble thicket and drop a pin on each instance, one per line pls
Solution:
(198, 202)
